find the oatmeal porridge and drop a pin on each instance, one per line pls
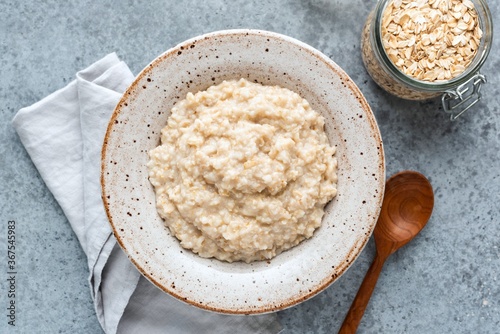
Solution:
(243, 171)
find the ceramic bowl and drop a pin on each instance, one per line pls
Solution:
(295, 275)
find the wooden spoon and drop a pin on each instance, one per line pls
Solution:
(406, 208)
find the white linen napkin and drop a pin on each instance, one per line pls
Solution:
(63, 134)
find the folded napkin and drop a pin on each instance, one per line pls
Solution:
(63, 134)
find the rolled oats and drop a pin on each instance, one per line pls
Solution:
(441, 32)
(427, 40)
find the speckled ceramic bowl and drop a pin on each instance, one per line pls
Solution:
(295, 275)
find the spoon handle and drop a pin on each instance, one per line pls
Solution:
(358, 306)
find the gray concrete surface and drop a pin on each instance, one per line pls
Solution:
(446, 281)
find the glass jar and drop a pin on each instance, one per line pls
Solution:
(458, 93)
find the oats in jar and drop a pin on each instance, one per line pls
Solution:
(243, 171)
(431, 40)
(421, 49)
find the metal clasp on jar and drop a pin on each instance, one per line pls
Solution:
(458, 101)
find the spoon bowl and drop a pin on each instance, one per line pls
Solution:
(406, 208)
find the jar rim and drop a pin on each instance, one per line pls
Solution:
(486, 24)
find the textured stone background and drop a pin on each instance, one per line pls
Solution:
(446, 280)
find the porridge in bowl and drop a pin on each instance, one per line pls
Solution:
(243, 171)
(135, 130)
